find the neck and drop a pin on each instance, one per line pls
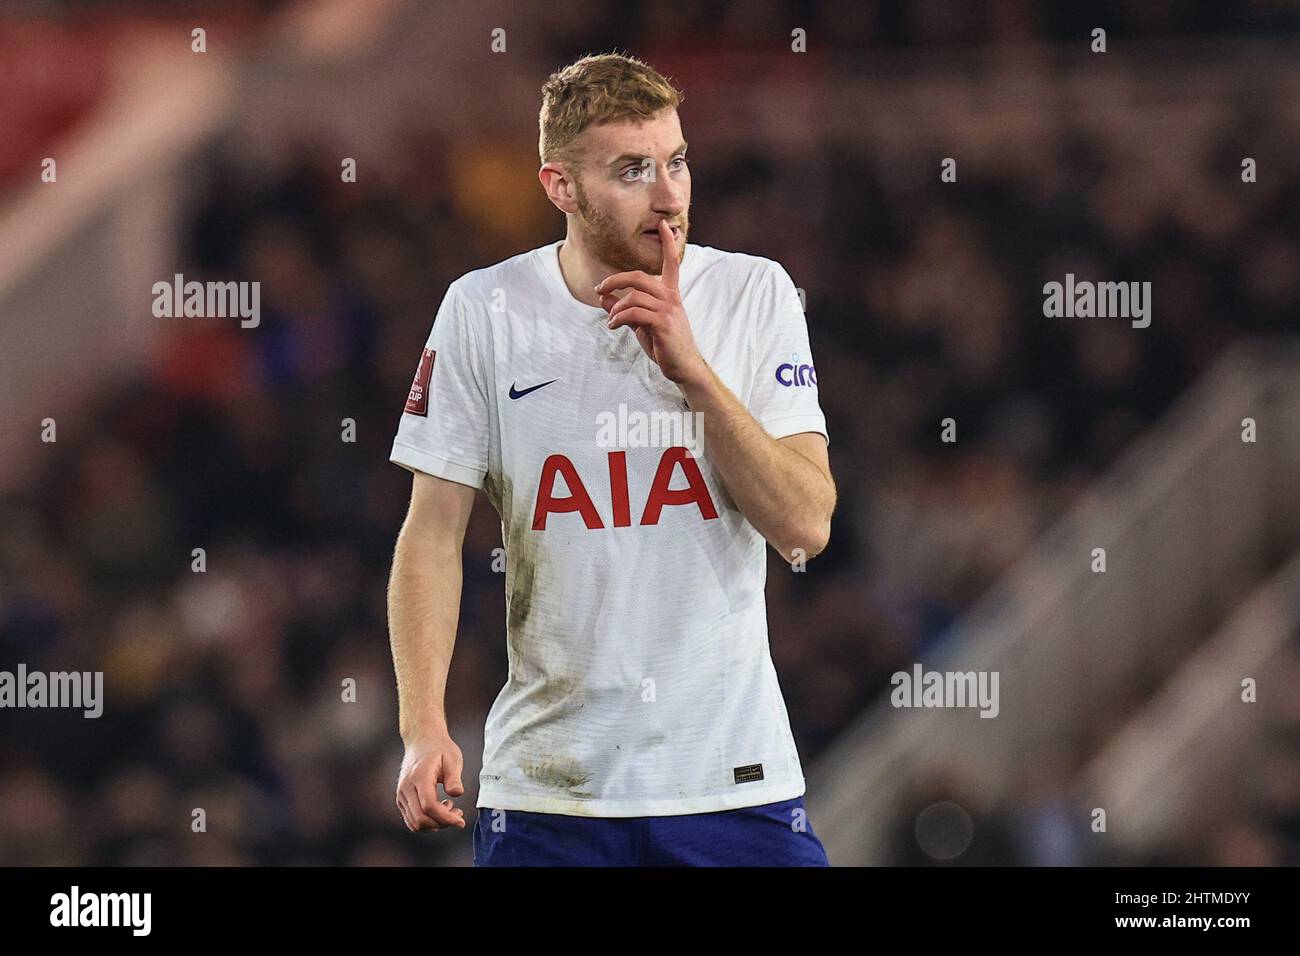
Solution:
(581, 274)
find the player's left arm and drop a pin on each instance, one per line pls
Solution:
(783, 486)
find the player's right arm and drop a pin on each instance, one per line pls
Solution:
(423, 610)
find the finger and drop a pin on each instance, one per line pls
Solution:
(419, 819)
(634, 300)
(414, 809)
(406, 814)
(632, 280)
(451, 779)
(609, 300)
(458, 813)
(443, 814)
(635, 317)
(669, 244)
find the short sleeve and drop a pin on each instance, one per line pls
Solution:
(444, 428)
(784, 395)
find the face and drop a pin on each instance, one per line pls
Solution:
(634, 174)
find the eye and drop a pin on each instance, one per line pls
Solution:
(633, 169)
(682, 160)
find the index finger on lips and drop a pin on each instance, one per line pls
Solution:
(669, 245)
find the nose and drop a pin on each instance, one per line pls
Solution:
(667, 198)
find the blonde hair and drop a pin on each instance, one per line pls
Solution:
(600, 88)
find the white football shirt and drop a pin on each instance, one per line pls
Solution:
(640, 679)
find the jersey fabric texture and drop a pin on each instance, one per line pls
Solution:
(774, 834)
(640, 677)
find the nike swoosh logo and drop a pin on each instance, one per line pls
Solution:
(516, 393)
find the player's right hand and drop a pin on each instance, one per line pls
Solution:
(425, 765)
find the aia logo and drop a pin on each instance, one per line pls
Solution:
(417, 402)
(579, 500)
(790, 374)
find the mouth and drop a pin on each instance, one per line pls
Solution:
(654, 233)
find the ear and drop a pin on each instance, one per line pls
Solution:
(559, 187)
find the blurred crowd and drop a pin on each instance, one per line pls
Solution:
(229, 736)
(945, 818)
(57, 62)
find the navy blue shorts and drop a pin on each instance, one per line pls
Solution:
(774, 834)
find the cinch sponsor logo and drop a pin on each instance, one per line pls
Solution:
(790, 374)
(578, 499)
